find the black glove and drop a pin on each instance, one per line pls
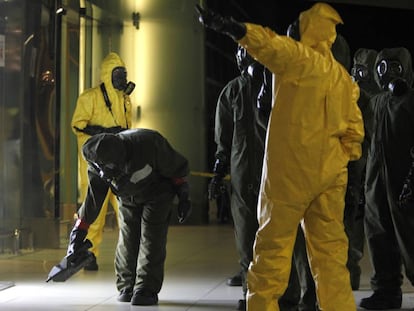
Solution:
(216, 186)
(223, 205)
(184, 210)
(184, 204)
(114, 129)
(97, 129)
(406, 198)
(225, 25)
(77, 237)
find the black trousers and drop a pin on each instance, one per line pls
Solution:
(141, 249)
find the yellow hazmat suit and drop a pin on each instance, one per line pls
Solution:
(315, 128)
(91, 109)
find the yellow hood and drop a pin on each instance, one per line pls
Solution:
(318, 27)
(111, 61)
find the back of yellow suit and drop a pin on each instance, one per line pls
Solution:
(315, 128)
(92, 110)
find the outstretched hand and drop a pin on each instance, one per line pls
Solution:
(209, 18)
(216, 22)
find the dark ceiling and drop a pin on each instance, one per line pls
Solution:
(371, 24)
(367, 24)
(401, 4)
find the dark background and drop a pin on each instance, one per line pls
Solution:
(374, 24)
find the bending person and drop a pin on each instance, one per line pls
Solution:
(145, 173)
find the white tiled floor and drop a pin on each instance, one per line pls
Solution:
(199, 260)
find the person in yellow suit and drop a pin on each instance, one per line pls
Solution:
(102, 109)
(315, 129)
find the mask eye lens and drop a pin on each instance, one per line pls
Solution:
(119, 72)
(359, 72)
(382, 68)
(389, 67)
(362, 73)
(395, 67)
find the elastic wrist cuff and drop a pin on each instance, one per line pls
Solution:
(81, 224)
(178, 181)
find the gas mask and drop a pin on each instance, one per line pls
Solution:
(360, 73)
(119, 80)
(388, 70)
(390, 73)
(243, 59)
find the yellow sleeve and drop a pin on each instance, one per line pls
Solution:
(83, 111)
(267, 47)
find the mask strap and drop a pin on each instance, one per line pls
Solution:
(108, 103)
(106, 97)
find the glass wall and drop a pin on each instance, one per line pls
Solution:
(11, 38)
(28, 117)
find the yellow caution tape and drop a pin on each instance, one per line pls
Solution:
(206, 174)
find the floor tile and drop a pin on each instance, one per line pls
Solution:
(199, 261)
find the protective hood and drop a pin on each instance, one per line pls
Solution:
(400, 54)
(111, 61)
(365, 58)
(104, 148)
(318, 27)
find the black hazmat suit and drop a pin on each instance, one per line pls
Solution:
(242, 114)
(363, 73)
(239, 134)
(388, 227)
(145, 186)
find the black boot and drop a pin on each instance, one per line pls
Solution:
(92, 266)
(382, 300)
(241, 305)
(143, 297)
(235, 280)
(125, 295)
